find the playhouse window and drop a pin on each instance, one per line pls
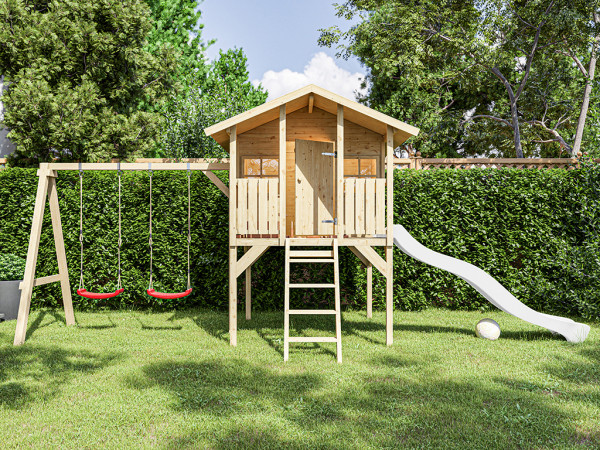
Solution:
(360, 167)
(260, 167)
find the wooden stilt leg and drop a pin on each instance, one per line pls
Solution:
(232, 296)
(369, 291)
(389, 296)
(61, 255)
(248, 289)
(32, 254)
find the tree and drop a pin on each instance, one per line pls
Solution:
(78, 72)
(480, 48)
(176, 23)
(222, 93)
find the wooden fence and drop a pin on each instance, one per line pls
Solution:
(419, 163)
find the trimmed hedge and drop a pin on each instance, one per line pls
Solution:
(535, 231)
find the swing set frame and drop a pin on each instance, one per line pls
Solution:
(46, 191)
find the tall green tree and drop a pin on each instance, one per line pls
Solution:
(78, 71)
(474, 59)
(222, 93)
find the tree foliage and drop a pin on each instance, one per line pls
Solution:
(221, 93)
(476, 76)
(78, 71)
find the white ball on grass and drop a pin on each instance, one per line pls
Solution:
(487, 329)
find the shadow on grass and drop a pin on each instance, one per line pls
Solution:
(110, 324)
(159, 327)
(266, 407)
(37, 323)
(34, 374)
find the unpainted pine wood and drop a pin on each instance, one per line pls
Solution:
(233, 186)
(233, 295)
(369, 291)
(370, 206)
(349, 200)
(339, 180)
(42, 281)
(311, 102)
(248, 289)
(282, 174)
(286, 304)
(249, 258)
(253, 205)
(242, 209)
(224, 165)
(273, 206)
(61, 255)
(338, 313)
(314, 188)
(32, 254)
(360, 206)
(390, 185)
(217, 181)
(311, 254)
(389, 296)
(263, 206)
(380, 206)
(290, 184)
(373, 257)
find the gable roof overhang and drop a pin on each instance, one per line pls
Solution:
(322, 99)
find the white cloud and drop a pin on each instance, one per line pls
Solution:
(321, 70)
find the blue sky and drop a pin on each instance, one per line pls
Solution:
(279, 38)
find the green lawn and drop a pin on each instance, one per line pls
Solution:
(171, 380)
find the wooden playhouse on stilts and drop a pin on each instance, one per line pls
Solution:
(310, 169)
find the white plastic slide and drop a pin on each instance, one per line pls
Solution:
(487, 286)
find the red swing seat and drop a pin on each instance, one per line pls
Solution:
(98, 295)
(167, 295)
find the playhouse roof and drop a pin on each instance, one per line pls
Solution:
(320, 98)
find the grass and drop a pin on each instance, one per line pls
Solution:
(170, 380)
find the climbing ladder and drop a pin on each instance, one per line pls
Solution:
(312, 256)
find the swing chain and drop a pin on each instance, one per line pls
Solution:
(150, 284)
(189, 237)
(120, 241)
(81, 283)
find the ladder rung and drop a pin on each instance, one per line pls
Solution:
(312, 260)
(311, 253)
(311, 311)
(312, 285)
(311, 339)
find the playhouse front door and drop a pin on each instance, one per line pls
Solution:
(315, 182)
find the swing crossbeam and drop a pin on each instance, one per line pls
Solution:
(46, 192)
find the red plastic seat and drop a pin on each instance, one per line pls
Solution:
(167, 295)
(99, 296)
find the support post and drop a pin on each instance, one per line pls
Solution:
(61, 254)
(46, 189)
(282, 175)
(389, 296)
(369, 291)
(233, 236)
(248, 289)
(339, 188)
(389, 166)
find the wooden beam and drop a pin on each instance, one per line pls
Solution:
(282, 174)
(232, 186)
(42, 281)
(32, 254)
(249, 258)
(373, 257)
(389, 296)
(370, 291)
(390, 185)
(232, 296)
(248, 289)
(142, 166)
(311, 103)
(339, 188)
(217, 182)
(360, 256)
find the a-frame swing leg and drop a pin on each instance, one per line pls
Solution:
(46, 188)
